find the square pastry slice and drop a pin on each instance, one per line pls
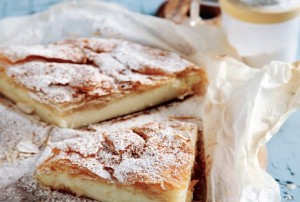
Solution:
(153, 162)
(77, 82)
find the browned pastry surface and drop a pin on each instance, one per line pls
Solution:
(64, 81)
(154, 158)
(76, 71)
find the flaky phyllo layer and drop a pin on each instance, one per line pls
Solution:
(65, 81)
(152, 162)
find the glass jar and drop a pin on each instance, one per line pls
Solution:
(262, 33)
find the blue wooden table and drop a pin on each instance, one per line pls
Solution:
(284, 158)
(283, 149)
(24, 7)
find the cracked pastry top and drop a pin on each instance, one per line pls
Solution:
(152, 162)
(76, 82)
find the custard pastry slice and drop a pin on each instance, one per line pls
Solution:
(153, 162)
(82, 81)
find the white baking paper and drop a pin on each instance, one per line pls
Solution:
(243, 107)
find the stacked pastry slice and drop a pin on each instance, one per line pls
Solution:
(78, 82)
(152, 162)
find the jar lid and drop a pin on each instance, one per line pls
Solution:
(260, 14)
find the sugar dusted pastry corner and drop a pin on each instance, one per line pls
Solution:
(152, 162)
(78, 82)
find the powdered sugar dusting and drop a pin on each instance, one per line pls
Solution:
(150, 154)
(11, 172)
(89, 163)
(130, 142)
(139, 57)
(28, 189)
(67, 52)
(21, 137)
(61, 82)
(120, 72)
(16, 127)
(97, 45)
(72, 71)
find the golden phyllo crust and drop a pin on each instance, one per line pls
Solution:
(74, 75)
(155, 159)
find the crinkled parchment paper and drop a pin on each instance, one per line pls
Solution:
(243, 107)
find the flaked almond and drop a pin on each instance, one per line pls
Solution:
(182, 136)
(27, 147)
(25, 155)
(25, 108)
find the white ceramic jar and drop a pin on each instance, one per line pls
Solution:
(262, 33)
